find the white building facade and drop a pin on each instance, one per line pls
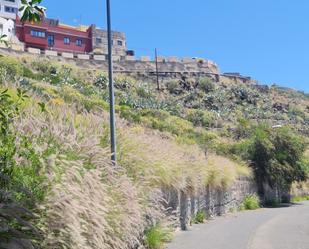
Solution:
(7, 27)
(8, 11)
(9, 8)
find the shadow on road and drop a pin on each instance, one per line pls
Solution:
(282, 205)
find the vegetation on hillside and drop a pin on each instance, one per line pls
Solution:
(203, 134)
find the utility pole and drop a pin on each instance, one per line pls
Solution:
(157, 72)
(111, 84)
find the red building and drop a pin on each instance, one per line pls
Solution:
(50, 34)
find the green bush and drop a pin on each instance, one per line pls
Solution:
(201, 118)
(9, 69)
(199, 218)
(15, 220)
(42, 66)
(173, 87)
(128, 114)
(251, 202)
(300, 198)
(157, 236)
(277, 156)
(206, 84)
(101, 82)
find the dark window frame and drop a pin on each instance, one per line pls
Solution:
(79, 42)
(11, 10)
(67, 40)
(38, 33)
(51, 40)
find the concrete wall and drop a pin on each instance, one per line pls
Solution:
(34, 50)
(144, 67)
(83, 56)
(51, 53)
(99, 57)
(68, 55)
(182, 207)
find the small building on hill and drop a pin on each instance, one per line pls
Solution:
(49, 34)
(8, 11)
(99, 42)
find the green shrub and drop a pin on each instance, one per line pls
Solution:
(300, 198)
(42, 66)
(28, 73)
(143, 90)
(157, 236)
(251, 202)
(206, 84)
(15, 220)
(9, 69)
(101, 82)
(173, 87)
(243, 129)
(199, 218)
(278, 156)
(201, 118)
(128, 114)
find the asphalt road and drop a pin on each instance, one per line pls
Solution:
(273, 228)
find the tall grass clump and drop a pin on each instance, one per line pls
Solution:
(251, 202)
(90, 203)
(160, 160)
(199, 218)
(157, 236)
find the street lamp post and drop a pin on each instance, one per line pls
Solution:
(111, 84)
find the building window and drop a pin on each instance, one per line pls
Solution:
(51, 40)
(119, 43)
(66, 40)
(36, 33)
(98, 40)
(9, 9)
(79, 42)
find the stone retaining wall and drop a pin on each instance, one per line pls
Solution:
(140, 68)
(182, 207)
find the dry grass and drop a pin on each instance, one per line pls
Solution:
(90, 204)
(160, 160)
(300, 189)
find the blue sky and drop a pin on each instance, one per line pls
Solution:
(265, 39)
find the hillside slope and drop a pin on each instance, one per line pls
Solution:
(190, 135)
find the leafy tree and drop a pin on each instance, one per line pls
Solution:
(277, 156)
